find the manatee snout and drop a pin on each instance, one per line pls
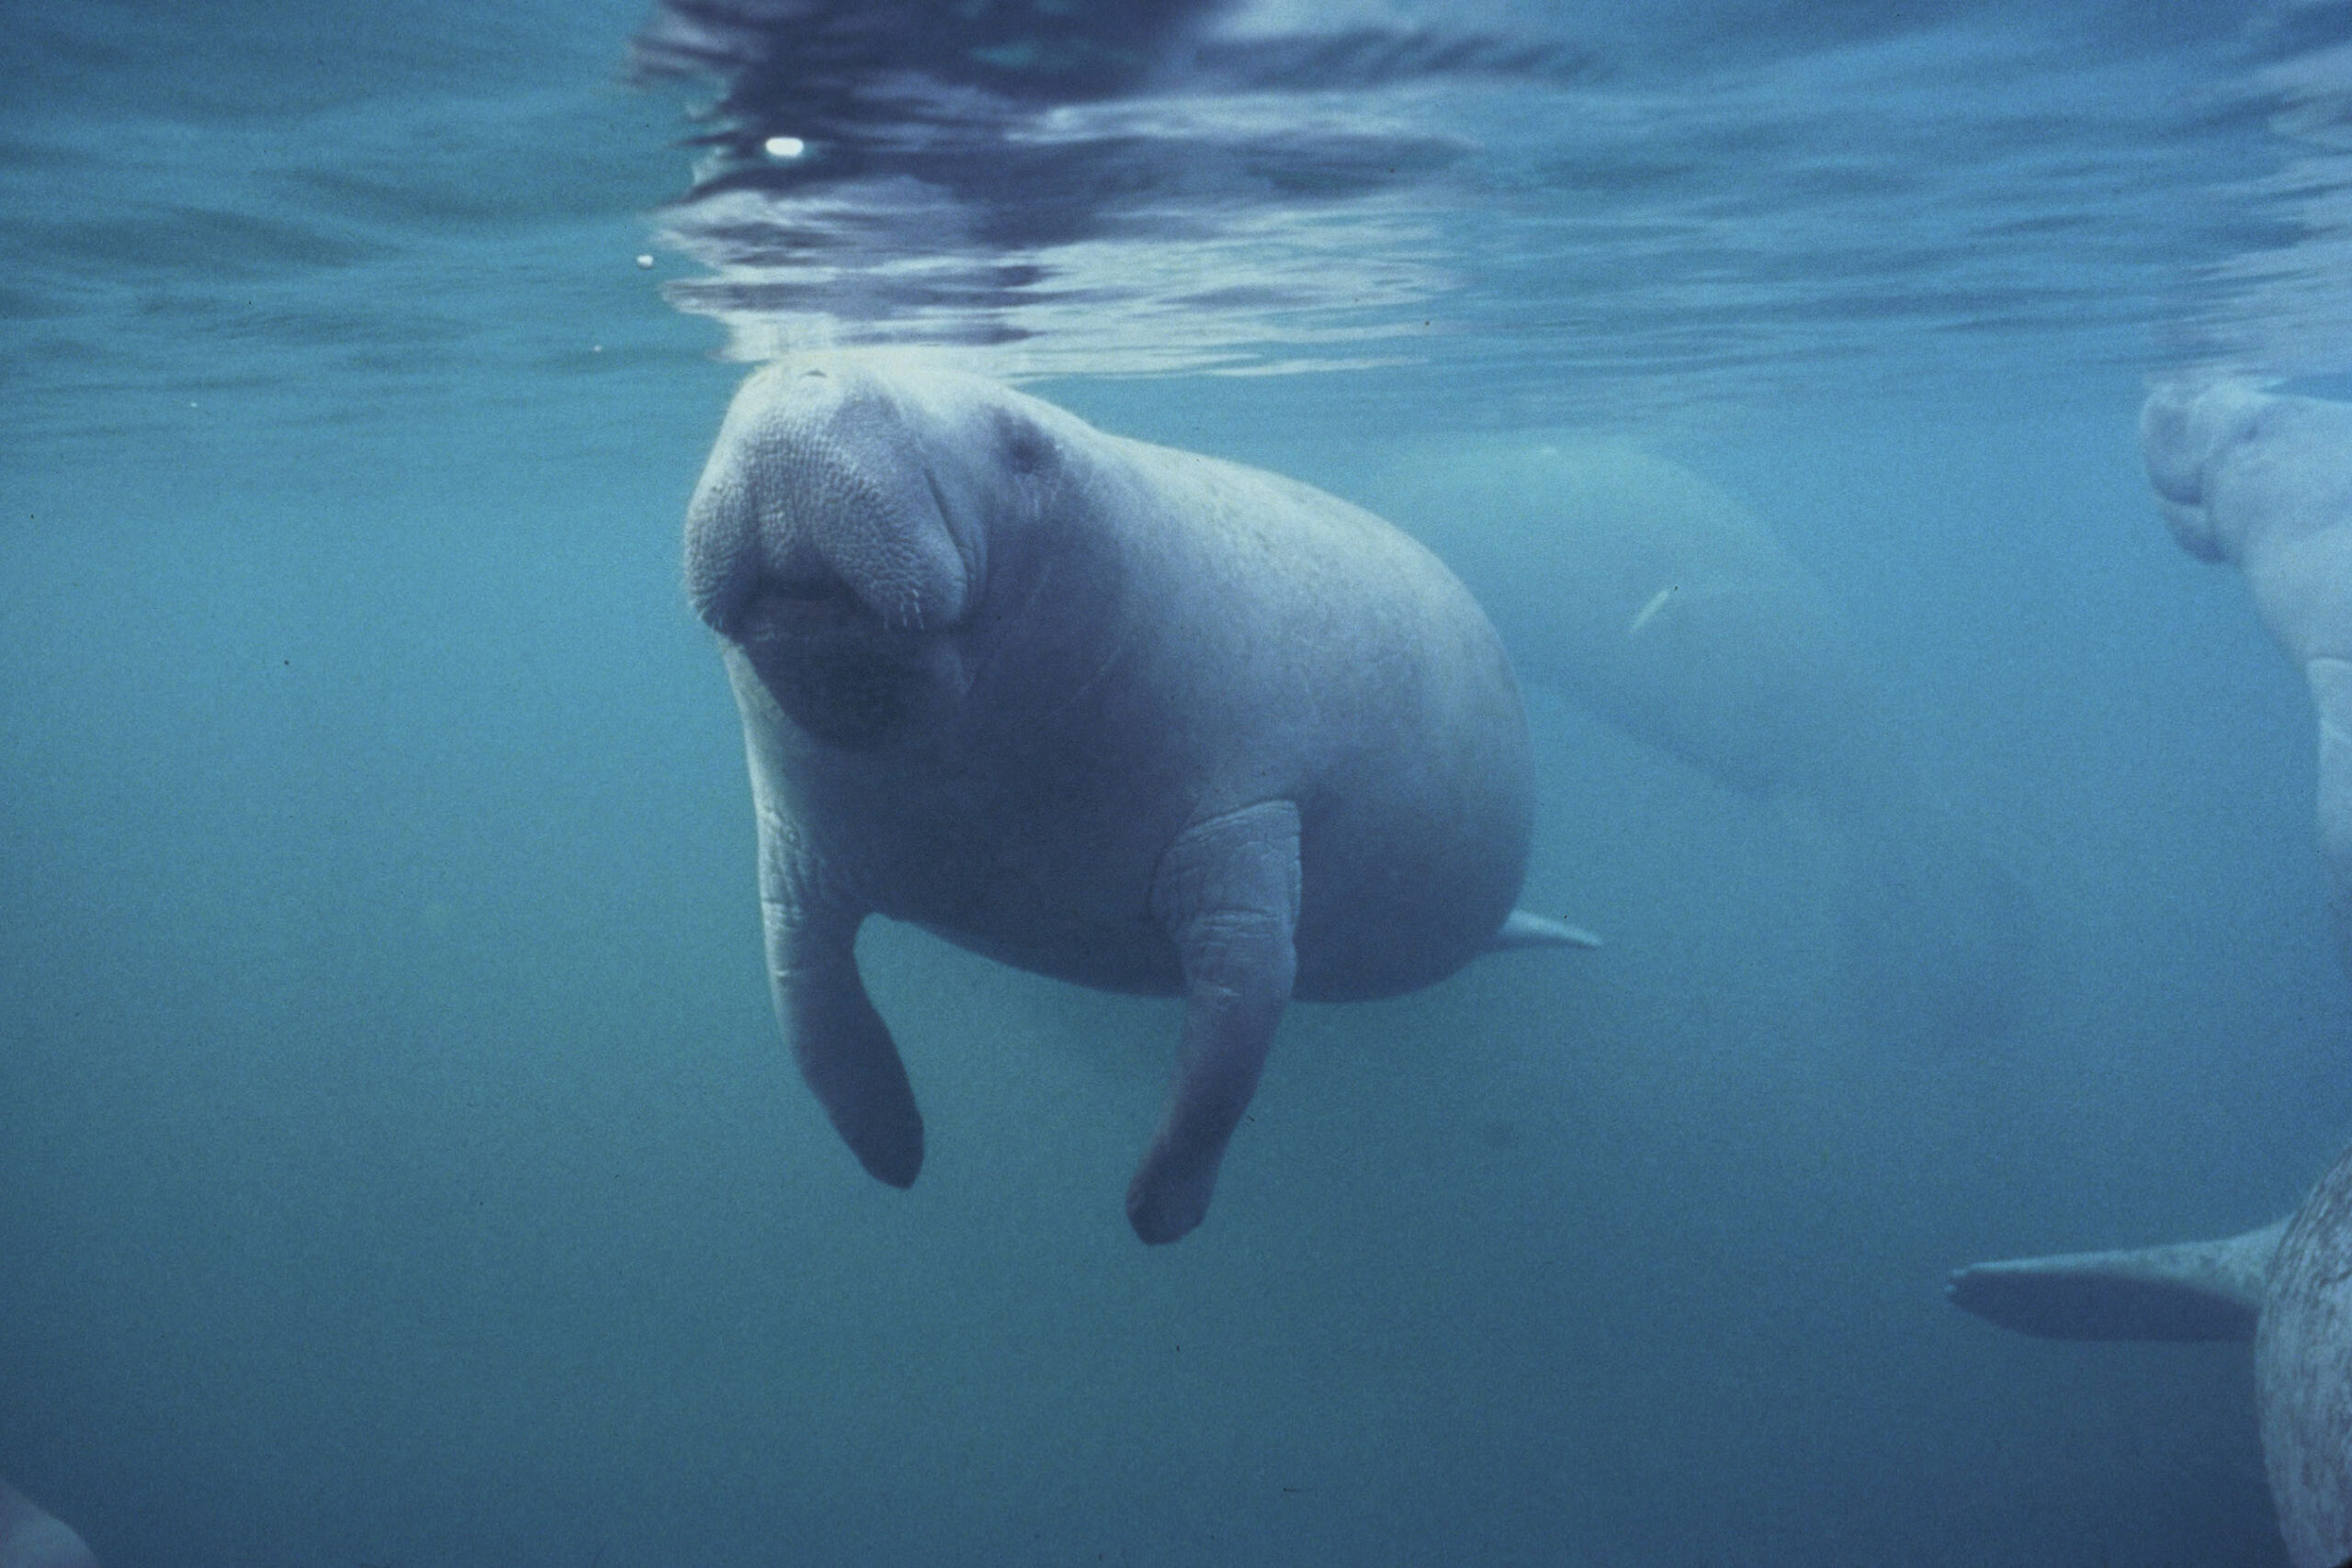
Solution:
(820, 543)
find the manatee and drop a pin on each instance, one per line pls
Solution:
(1123, 715)
(31, 1538)
(2264, 483)
(1660, 602)
(2287, 1286)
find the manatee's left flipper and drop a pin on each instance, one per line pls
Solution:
(1227, 892)
(1520, 930)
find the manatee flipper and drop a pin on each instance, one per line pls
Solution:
(1520, 929)
(1227, 892)
(2195, 1289)
(844, 1050)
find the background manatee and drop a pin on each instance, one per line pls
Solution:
(1653, 598)
(2264, 483)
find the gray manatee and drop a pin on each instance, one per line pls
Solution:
(1658, 601)
(2265, 482)
(31, 1538)
(2287, 1286)
(1652, 597)
(1125, 715)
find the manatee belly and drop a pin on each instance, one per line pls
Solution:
(1402, 883)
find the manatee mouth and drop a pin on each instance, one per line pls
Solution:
(825, 588)
(838, 671)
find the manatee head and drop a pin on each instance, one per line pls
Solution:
(839, 537)
(2233, 464)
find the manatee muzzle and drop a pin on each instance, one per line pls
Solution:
(838, 671)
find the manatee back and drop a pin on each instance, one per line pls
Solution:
(1658, 601)
(2302, 1366)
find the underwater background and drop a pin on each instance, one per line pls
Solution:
(398, 1163)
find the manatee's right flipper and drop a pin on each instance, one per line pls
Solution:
(1520, 929)
(2194, 1290)
(843, 1048)
(1227, 892)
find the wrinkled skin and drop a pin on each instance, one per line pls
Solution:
(31, 1538)
(1121, 715)
(2302, 1371)
(2264, 483)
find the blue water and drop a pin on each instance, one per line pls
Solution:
(398, 1160)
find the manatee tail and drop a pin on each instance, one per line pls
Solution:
(2194, 1290)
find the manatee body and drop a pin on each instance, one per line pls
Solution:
(1656, 599)
(2287, 1286)
(1123, 715)
(2264, 483)
(31, 1538)
(1660, 602)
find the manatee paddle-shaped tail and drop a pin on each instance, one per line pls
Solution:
(2191, 1290)
(31, 1538)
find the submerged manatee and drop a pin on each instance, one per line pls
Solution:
(31, 1538)
(2264, 483)
(1116, 714)
(2287, 1286)
(1657, 601)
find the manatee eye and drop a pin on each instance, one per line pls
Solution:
(1026, 450)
